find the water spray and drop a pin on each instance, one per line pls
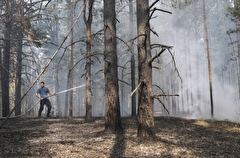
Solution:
(70, 89)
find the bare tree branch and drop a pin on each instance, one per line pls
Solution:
(139, 85)
(101, 70)
(156, 9)
(82, 59)
(154, 32)
(66, 48)
(153, 4)
(124, 82)
(166, 95)
(47, 3)
(159, 88)
(156, 45)
(136, 37)
(165, 11)
(175, 65)
(129, 47)
(162, 104)
(156, 67)
(98, 32)
(123, 67)
(80, 40)
(99, 60)
(156, 56)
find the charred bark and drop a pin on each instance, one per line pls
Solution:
(71, 62)
(145, 101)
(112, 109)
(19, 66)
(19, 73)
(134, 109)
(57, 85)
(88, 22)
(6, 61)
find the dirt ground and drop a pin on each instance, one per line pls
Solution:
(176, 137)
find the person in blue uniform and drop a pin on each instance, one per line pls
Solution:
(42, 94)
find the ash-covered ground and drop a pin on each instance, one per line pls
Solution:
(63, 137)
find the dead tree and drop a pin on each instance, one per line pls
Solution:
(237, 21)
(208, 57)
(146, 126)
(133, 84)
(6, 59)
(88, 16)
(112, 109)
(69, 95)
(18, 81)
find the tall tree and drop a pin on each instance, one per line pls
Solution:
(146, 126)
(57, 84)
(237, 20)
(133, 84)
(1, 48)
(69, 95)
(88, 16)
(209, 58)
(72, 3)
(19, 63)
(1, 74)
(112, 109)
(6, 59)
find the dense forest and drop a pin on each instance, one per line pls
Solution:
(118, 58)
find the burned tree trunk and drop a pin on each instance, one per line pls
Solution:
(237, 21)
(70, 59)
(18, 74)
(59, 112)
(133, 84)
(88, 23)
(145, 101)
(209, 58)
(112, 109)
(1, 74)
(19, 66)
(6, 60)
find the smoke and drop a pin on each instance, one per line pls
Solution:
(185, 32)
(226, 102)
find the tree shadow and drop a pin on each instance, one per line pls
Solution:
(23, 137)
(119, 146)
(15, 136)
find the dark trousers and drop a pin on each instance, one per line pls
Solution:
(48, 104)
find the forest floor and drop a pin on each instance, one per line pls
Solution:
(176, 137)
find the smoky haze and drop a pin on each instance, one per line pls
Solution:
(183, 30)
